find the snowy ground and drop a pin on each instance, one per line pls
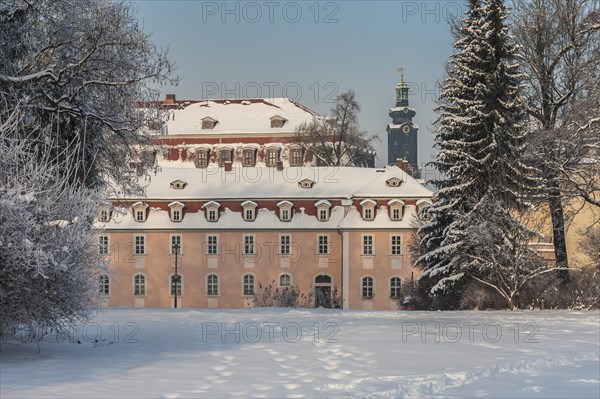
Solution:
(313, 353)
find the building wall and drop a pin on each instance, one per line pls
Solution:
(304, 264)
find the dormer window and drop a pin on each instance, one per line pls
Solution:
(271, 157)
(296, 157)
(176, 211)
(202, 158)
(208, 123)
(249, 208)
(248, 157)
(104, 213)
(212, 211)
(396, 209)
(368, 209)
(323, 207)
(225, 155)
(285, 211)
(139, 211)
(421, 205)
(393, 182)
(178, 184)
(277, 121)
(306, 183)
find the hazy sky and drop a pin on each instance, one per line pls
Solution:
(309, 51)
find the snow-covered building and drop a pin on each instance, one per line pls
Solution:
(323, 229)
(251, 132)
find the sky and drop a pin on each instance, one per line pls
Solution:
(310, 51)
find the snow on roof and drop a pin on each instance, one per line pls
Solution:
(253, 183)
(234, 117)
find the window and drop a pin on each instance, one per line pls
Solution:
(367, 287)
(285, 280)
(103, 245)
(104, 215)
(395, 286)
(368, 209)
(208, 123)
(285, 215)
(323, 245)
(367, 245)
(323, 214)
(296, 157)
(285, 244)
(140, 215)
(176, 240)
(248, 284)
(139, 245)
(201, 158)
(103, 284)
(176, 284)
(396, 245)
(212, 284)
(396, 214)
(212, 245)
(249, 245)
(212, 215)
(271, 158)
(176, 215)
(224, 156)
(248, 158)
(249, 214)
(139, 284)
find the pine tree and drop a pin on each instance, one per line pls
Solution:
(480, 143)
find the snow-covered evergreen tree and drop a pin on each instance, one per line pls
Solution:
(480, 143)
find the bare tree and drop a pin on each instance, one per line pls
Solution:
(560, 51)
(337, 140)
(80, 68)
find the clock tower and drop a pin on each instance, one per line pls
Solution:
(402, 132)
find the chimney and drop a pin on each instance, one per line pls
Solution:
(170, 99)
(402, 164)
(228, 166)
(280, 165)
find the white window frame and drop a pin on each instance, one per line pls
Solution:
(365, 287)
(139, 244)
(252, 160)
(399, 211)
(393, 288)
(172, 238)
(212, 248)
(396, 247)
(212, 214)
(210, 286)
(296, 157)
(249, 214)
(104, 247)
(176, 215)
(323, 244)
(367, 248)
(104, 215)
(289, 277)
(104, 284)
(323, 214)
(171, 285)
(285, 248)
(140, 215)
(244, 284)
(271, 157)
(249, 247)
(202, 155)
(139, 288)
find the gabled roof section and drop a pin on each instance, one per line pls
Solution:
(368, 202)
(249, 203)
(139, 204)
(323, 203)
(176, 204)
(284, 203)
(210, 204)
(396, 201)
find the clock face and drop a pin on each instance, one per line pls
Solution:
(406, 129)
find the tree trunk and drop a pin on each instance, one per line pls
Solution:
(558, 229)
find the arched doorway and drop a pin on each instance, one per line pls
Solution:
(322, 291)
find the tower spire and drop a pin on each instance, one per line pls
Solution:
(401, 90)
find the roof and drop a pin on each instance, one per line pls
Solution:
(235, 116)
(255, 183)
